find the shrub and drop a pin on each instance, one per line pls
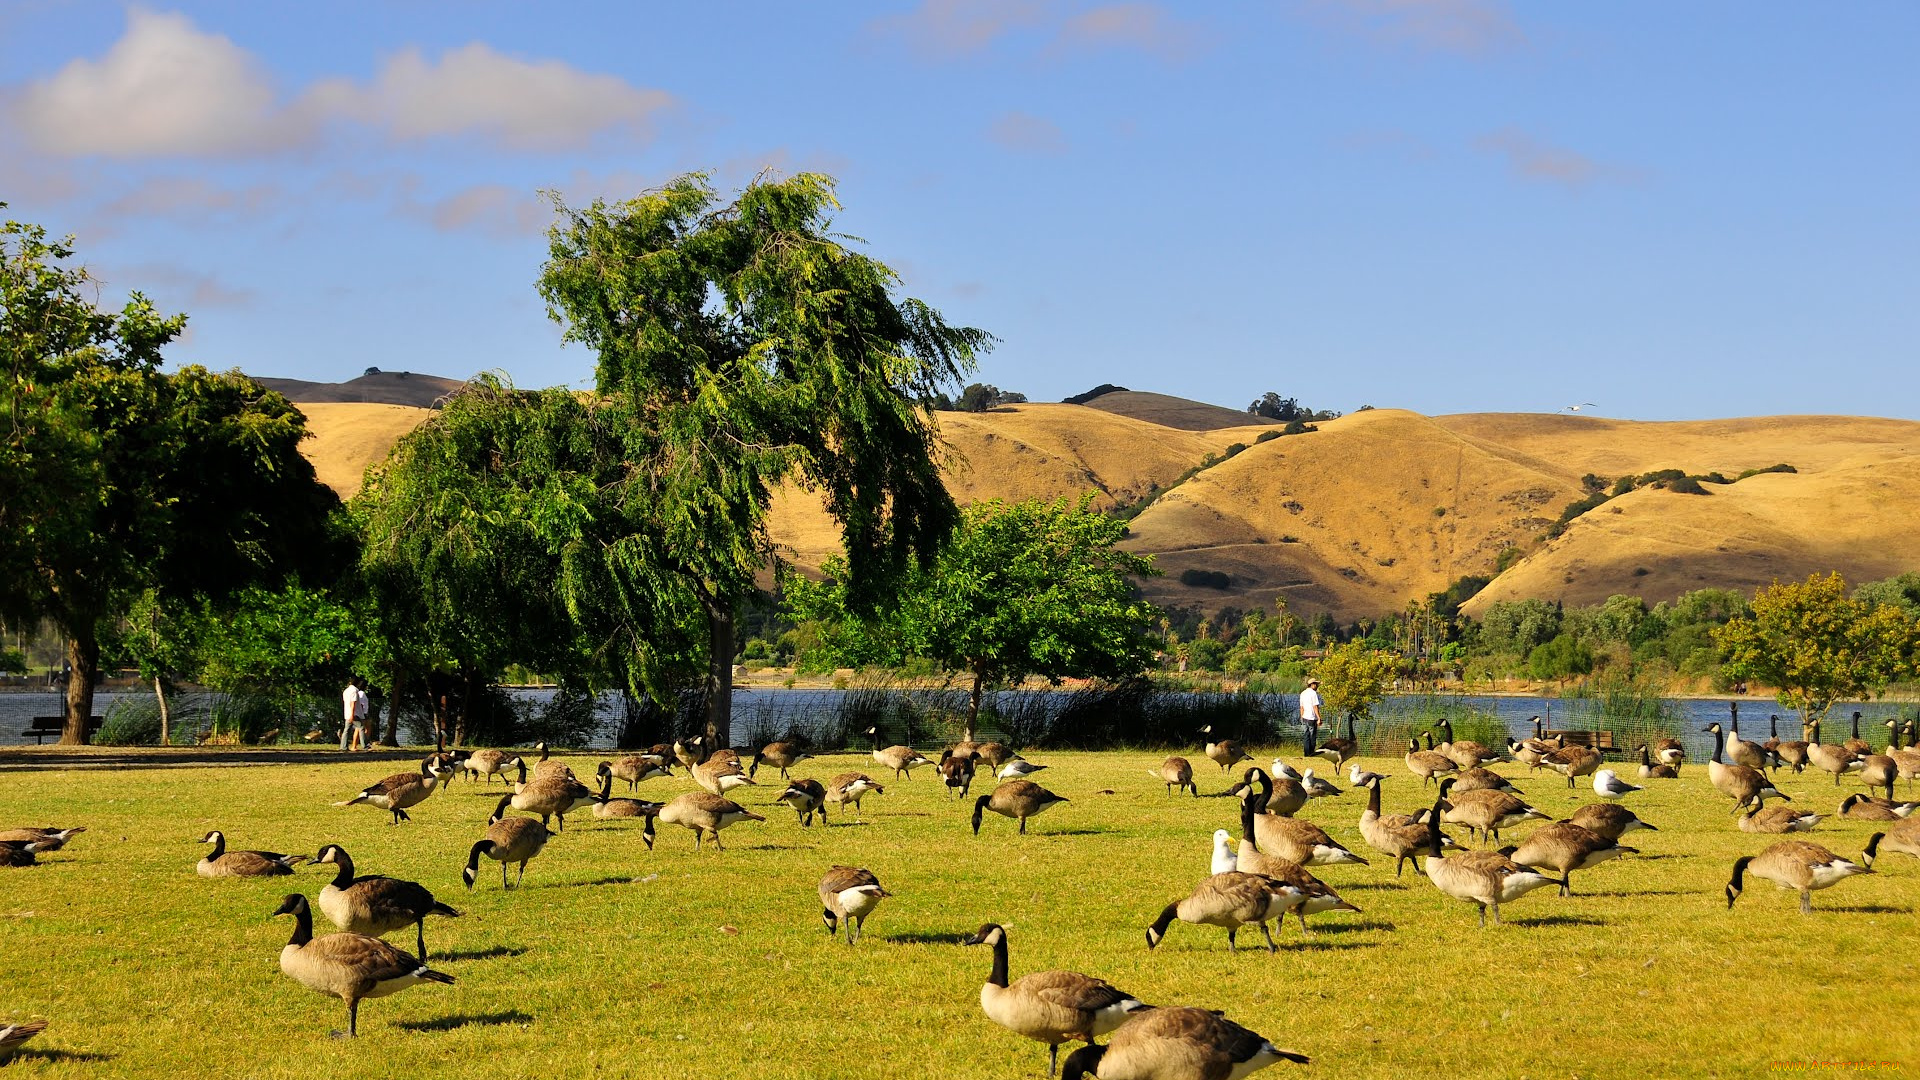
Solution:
(1687, 485)
(1780, 468)
(1103, 388)
(1264, 436)
(131, 722)
(13, 661)
(1204, 579)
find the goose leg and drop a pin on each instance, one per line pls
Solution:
(1272, 947)
(1806, 901)
(353, 1018)
(1023, 826)
(503, 875)
(1496, 913)
(716, 841)
(420, 929)
(1566, 884)
(1483, 914)
(1230, 932)
(1053, 1059)
(1301, 911)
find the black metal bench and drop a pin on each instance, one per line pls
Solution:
(52, 727)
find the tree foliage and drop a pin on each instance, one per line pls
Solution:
(1355, 677)
(1818, 645)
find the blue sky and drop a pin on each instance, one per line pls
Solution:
(1671, 210)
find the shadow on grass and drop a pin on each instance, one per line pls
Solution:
(61, 1055)
(1556, 920)
(493, 953)
(586, 884)
(1636, 892)
(1315, 945)
(1071, 832)
(1869, 909)
(922, 937)
(1652, 858)
(1375, 885)
(1358, 927)
(460, 1020)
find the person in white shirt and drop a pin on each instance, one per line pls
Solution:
(353, 716)
(1310, 715)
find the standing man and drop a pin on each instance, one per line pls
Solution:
(353, 712)
(1310, 715)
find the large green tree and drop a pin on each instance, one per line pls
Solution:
(749, 345)
(1028, 588)
(116, 477)
(1818, 645)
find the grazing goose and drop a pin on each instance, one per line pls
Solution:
(1777, 819)
(1292, 839)
(1903, 838)
(1880, 770)
(1610, 820)
(1565, 847)
(1360, 777)
(850, 788)
(1230, 900)
(1340, 749)
(1862, 808)
(719, 775)
(1426, 764)
(1797, 865)
(1399, 836)
(351, 967)
(554, 795)
(1050, 1006)
(374, 905)
(399, 791)
(1670, 752)
(807, 798)
(995, 754)
(1318, 788)
(956, 771)
(1226, 753)
(1479, 779)
(1574, 761)
(1177, 774)
(1737, 782)
(1018, 769)
(606, 806)
(1609, 786)
(1485, 812)
(634, 769)
(1790, 753)
(13, 1036)
(1906, 761)
(901, 759)
(849, 893)
(1856, 745)
(1018, 799)
(690, 752)
(1177, 1043)
(780, 755)
(1316, 895)
(703, 812)
(1833, 760)
(508, 840)
(1466, 753)
(19, 855)
(48, 839)
(1650, 771)
(487, 764)
(1486, 879)
(1743, 751)
(223, 863)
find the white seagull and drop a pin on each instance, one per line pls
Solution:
(1362, 777)
(1017, 768)
(1608, 786)
(1582, 405)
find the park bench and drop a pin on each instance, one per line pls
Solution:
(52, 727)
(1595, 740)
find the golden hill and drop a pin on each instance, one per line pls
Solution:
(1175, 412)
(349, 436)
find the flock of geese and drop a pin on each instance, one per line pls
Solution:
(1255, 882)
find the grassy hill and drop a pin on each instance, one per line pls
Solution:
(1174, 412)
(377, 387)
(1385, 506)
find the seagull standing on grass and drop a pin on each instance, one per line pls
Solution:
(1609, 786)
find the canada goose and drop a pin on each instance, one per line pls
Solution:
(1790, 753)
(1177, 774)
(48, 839)
(19, 854)
(1863, 808)
(1833, 760)
(780, 755)
(1574, 761)
(1486, 879)
(1225, 753)
(552, 796)
(606, 806)
(1316, 896)
(1609, 786)
(487, 764)
(956, 770)
(1565, 847)
(1856, 745)
(1485, 811)
(1880, 770)
(690, 752)
(1018, 769)
(1532, 750)
(373, 905)
(635, 769)
(397, 792)
(1283, 796)
(1319, 788)
(1230, 900)
(1293, 839)
(1777, 819)
(1798, 865)
(849, 893)
(351, 967)
(1340, 749)
(806, 798)
(1426, 764)
(1610, 820)
(1398, 836)
(1049, 1006)
(995, 754)
(703, 812)
(546, 765)
(848, 788)
(1737, 782)
(1178, 1043)
(1466, 753)
(509, 840)
(1670, 752)
(223, 863)
(1650, 771)
(901, 759)
(1479, 779)
(1906, 761)
(1360, 777)
(718, 775)
(1903, 837)
(1743, 751)
(1019, 799)
(12, 1036)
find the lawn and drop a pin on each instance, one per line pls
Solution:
(618, 961)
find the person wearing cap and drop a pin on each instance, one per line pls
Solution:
(1310, 715)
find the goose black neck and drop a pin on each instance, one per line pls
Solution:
(1246, 824)
(1167, 915)
(1719, 741)
(1433, 827)
(606, 786)
(500, 808)
(302, 925)
(343, 870)
(219, 847)
(1373, 798)
(1351, 737)
(998, 977)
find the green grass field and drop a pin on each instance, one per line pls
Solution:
(618, 961)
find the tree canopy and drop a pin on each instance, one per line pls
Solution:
(1818, 645)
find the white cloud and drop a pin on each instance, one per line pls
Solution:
(1146, 27)
(1531, 159)
(1028, 134)
(949, 28)
(1468, 27)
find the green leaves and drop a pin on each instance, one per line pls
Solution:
(1818, 645)
(1355, 677)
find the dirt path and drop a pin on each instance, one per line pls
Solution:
(36, 758)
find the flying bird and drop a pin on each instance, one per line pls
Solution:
(1582, 405)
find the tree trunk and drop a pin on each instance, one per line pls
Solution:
(83, 654)
(719, 671)
(166, 713)
(973, 701)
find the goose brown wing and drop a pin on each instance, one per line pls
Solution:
(841, 878)
(1072, 990)
(370, 960)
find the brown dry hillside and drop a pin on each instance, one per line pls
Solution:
(375, 387)
(349, 436)
(1174, 412)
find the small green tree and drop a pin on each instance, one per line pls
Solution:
(1559, 659)
(1355, 677)
(1817, 645)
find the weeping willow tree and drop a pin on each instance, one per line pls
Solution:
(744, 344)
